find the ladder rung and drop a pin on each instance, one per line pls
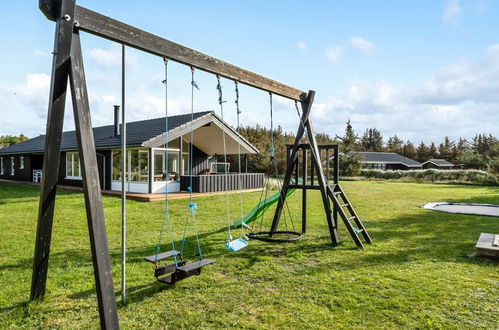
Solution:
(351, 218)
(344, 205)
(336, 192)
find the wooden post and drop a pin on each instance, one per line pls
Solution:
(304, 192)
(316, 161)
(52, 153)
(336, 174)
(91, 188)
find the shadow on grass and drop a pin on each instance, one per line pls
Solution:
(425, 235)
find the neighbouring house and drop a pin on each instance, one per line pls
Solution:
(440, 164)
(146, 156)
(387, 161)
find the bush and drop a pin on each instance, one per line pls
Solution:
(494, 167)
(350, 165)
(435, 176)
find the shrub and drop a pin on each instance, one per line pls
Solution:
(350, 165)
(494, 167)
(435, 176)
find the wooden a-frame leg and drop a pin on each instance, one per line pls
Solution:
(52, 153)
(333, 230)
(305, 123)
(92, 190)
(293, 158)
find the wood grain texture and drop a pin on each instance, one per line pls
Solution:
(109, 28)
(52, 151)
(92, 191)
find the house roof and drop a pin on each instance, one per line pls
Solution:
(138, 134)
(439, 162)
(387, 158)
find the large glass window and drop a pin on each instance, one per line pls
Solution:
(117, 165)
(73, 169)
(1, 165)
(160, 162)
(12, 170)
(21, 162)
(138, 165)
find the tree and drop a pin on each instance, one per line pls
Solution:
(463, 145)
(349, 162)
(8, 140)
(422, 152)
(471, 160)
(432, 151)
(445, 148)
(349, 140)
(408, 150)
(372, 140)
(494, 167)
(394, 144)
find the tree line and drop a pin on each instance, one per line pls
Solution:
(8, 140)
(481, 152)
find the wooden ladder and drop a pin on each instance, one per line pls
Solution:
(348, 214)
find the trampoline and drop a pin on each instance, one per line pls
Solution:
(490, 210)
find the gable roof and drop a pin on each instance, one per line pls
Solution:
(137, 134)
(438, 162)
(386, 158)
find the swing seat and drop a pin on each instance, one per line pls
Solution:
(163, 255)
(236, 245)
(195, 265)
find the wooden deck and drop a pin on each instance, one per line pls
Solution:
(133, 196)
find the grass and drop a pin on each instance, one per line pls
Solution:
(417, 274)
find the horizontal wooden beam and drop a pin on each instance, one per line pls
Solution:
(108, 28)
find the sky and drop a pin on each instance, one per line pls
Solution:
(421, 70)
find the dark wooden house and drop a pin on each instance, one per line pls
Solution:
(386, 161)
(147, 154)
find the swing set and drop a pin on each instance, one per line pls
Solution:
(67, 65)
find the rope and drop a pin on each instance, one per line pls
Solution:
(272, 150)
(226, 177)
(192, 206)
(238, 112)
(166, 216)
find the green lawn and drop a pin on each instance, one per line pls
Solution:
(417, 274)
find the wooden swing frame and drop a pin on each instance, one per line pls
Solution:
(67, 64)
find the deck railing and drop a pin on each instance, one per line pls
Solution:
(216, 182)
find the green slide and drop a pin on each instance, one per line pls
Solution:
(259, 210)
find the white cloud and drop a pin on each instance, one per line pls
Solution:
(362, 44)
(460, 99)
(111, 57)
(334, 53)
(452, 12)
(41, 53)
(465, 80)
(302, 45)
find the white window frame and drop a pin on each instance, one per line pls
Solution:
(72, 166)
(1, 165)
(215, 170)
(21, 162)
(12, 165)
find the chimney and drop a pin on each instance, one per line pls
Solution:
(116, 120)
